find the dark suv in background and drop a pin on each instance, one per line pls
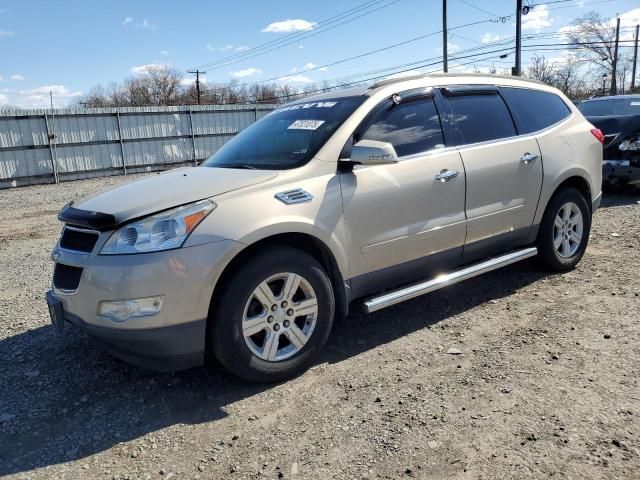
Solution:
(619, 119)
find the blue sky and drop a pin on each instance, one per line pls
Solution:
(69, 46)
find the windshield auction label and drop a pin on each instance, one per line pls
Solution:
(305, 125)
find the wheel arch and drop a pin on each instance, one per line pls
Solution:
(579, 183)
(575, 179)
(305, 242)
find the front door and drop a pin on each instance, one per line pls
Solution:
(403, 216)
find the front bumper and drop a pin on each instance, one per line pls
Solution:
(621, 172)
(172, 339)
(169, 348)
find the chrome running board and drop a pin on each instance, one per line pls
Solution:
(413, 291)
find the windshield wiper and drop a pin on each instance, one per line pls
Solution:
(237, 165)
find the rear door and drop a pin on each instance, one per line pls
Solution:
(504, 170)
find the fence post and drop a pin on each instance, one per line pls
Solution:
(52, 152)
(255, 114)
(124, 162)
(193, 137)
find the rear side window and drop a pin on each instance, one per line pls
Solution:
(411, 127)
(481, 118)
(538, 110)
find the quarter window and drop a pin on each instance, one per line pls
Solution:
(538, 110)
(481, 118)
(411, 127)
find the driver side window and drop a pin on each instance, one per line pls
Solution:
(411, 127)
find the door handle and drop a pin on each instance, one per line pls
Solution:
(446, 175)
(527, 158)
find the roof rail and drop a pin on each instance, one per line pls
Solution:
(391, 81)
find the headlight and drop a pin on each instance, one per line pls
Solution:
(163, 231)
(630, 145)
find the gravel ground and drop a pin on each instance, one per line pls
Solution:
(516, 374)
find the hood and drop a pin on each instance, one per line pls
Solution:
(167, 190)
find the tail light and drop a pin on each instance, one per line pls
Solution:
(598, 134)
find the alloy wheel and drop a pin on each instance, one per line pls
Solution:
(280, 316)
(568, 228)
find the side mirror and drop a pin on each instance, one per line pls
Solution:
(371, 152)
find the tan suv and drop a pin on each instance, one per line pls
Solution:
(381, 194)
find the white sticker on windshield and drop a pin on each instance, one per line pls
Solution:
(305, 124)
(306, 106)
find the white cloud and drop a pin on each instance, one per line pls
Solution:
(451, 48)
(4, 100)
(227, 48)
(146, 23)
(142, 69)
(39, 97)
(5, 33)
(191, 80)
(291, 25)
(16, 77)
(300, 46)
(308, 66)
(1, 78)
(127, 20)
(628, 19)
(295, 79)
(248, 72)
(491, 37)
(537, 18)
(164, 53)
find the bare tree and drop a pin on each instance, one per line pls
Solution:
(540, 69)
(595, 36)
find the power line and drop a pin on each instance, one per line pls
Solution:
(303, 36)
(371, 52)
(320, 24)
(479, 8)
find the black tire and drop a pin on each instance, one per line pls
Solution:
(227, 339)
(549, 256)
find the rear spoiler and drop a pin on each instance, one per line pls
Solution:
(86, 218)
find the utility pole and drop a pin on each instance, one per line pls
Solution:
(197, 74)
(635, 60)
(445, 64)
(614, 83)
(518, 67)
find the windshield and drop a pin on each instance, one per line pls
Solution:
(618, 106)
(286, 138)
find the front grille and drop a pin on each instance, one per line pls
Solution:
(66, 277)
(78, 240)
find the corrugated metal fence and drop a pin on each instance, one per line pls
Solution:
(43, 146)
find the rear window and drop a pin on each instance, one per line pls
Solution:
(538, 110)
(613, 106)
(481, 118)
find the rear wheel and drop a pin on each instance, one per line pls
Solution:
(564, 232)
(274, 316)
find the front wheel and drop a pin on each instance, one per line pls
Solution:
(564, 232)
(274, 316)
